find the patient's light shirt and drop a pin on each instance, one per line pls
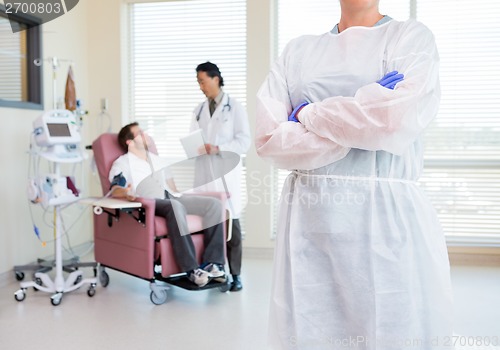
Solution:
(136, 169)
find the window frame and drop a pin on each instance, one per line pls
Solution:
(34, 51)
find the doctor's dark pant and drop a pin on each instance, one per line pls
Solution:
(234, 249)
(175, 210)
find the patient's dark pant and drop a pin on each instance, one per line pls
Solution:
(175, 210)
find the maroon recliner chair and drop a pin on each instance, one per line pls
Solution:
(134, 240)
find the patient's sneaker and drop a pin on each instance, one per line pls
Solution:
(199, 277)
(217, 272)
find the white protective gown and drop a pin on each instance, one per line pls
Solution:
(360, 258)
(227, 128)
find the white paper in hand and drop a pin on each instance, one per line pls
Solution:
(192, 143)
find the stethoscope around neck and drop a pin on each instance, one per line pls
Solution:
(224, 107)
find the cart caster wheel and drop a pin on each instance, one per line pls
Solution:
(158, 300)
(225, 287)
(91, 292)
(56, 299)
(19, 275)
(20, 295)
(104, 278)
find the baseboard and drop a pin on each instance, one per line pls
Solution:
(478, 256)
(474, 259)
(258, 253)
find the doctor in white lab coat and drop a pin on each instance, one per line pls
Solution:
(224, 123)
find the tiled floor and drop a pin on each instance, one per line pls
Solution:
(121, 316)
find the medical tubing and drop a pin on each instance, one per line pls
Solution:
(34, 172)
(69, 249)
(34, 165)
(66, 233)
(50, 225)
(45, 211)
(89, 249)
(100, 117)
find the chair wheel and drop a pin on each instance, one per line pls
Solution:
(103, 278)
(19, 275)
(20, 295)
(158, 300)
(56, 299)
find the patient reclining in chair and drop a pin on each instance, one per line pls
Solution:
(137, 166)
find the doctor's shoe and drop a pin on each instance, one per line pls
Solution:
(199, 277)
(236, 284)
(217, 272)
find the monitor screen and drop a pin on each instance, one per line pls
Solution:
(58, 130)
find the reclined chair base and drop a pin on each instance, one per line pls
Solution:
(158, 294)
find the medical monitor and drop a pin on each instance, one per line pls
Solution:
(56, 127)
(58, 130)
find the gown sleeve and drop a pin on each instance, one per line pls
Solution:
(285, 144)
(377, 118)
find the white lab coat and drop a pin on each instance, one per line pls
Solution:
(360, 255)
(227, 128)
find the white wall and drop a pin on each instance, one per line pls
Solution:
(258, 221)
(64, 37)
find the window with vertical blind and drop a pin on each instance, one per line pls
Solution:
(12, 62)
(20, 45)
(462, 156)
(166, 41)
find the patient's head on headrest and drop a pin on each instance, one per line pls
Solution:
(126, 134)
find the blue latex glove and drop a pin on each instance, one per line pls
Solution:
(292, 117)
(391, 79)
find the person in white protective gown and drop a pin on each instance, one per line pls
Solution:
(360, 259)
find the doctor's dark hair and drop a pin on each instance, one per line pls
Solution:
(125, 134)
(212, 71)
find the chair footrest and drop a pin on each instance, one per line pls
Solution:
(183, 282)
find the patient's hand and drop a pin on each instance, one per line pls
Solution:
(123, 192)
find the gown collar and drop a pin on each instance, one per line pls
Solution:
(383, 20)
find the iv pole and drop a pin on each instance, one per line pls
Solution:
(74, 280)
